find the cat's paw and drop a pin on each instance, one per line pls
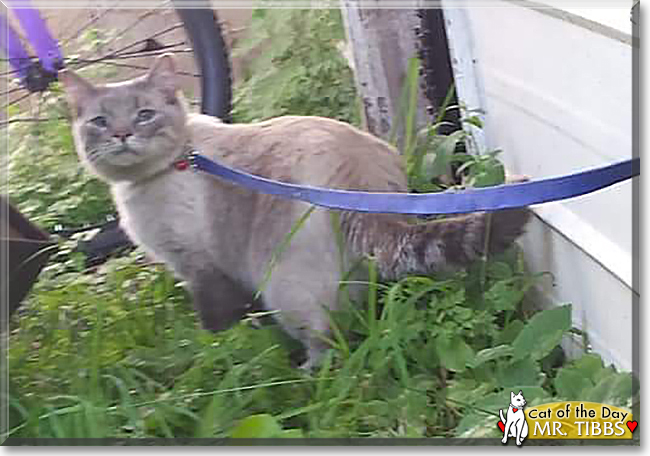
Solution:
(504, 440)
(308, 366)
(314, 360)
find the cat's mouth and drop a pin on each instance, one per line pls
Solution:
(124, 150)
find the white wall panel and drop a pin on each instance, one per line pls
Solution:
(557, 95)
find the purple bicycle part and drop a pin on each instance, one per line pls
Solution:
(16, 54)
(46, 48)
(34, 74)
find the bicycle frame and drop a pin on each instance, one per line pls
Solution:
(34, 74)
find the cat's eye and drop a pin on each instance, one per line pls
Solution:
(145, 115)
(99, 121)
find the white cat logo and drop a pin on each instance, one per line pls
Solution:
(515, 422)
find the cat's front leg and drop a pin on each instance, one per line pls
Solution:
(219, 300)
(519, 438)
(506, 432)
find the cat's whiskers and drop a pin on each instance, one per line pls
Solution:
(118, 147)
(93, 154)
(136, 144)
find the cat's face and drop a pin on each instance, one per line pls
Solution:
(517, 399)
(131, 130)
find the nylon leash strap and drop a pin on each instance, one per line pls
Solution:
(449, 202)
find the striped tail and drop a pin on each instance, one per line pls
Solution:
(401, 248)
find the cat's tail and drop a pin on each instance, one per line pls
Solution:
(503, 420)
(400, 247)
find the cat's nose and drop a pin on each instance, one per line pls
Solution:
(122, 134)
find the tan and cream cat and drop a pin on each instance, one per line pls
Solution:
(219, 237)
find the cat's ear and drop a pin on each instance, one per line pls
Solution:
(520, 392)
(512, 395)
(163, 76)
(78, 91)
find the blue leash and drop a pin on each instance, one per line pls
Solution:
(448, 202)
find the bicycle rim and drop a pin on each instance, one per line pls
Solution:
(211, 57)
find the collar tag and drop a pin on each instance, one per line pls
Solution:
(185, 161)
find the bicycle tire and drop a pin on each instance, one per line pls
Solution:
(211, 56)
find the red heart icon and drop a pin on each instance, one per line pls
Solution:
(631, 425)
(514, 409)
(503, 426)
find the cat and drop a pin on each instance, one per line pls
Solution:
(219, 238)
(515, 421)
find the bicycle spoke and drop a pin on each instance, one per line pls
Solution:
(138, 67)
(76, 34)
(109, 57)
(29, 120)
(146, 52)
(139, 19)
(10, 91)
(142, 16)
(119, 53)
(144, 40)
(113, 44)
(17, 100)
(161, 51)
(10, 72)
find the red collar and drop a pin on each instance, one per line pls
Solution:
(182, 164)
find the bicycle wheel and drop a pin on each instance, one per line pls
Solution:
(108, 44)
(211, 55)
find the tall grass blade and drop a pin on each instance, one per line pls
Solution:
(281, 248)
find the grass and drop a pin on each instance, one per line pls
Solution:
(117, 351)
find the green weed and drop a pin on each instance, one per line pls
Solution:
(44, 177)
(299, 69)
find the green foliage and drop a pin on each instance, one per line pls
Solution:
(44, 177)
(298, 68)
(592, 381)
(116, 353)
(433, 156)
(542, 333)
(262, 426)
(436, 161)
